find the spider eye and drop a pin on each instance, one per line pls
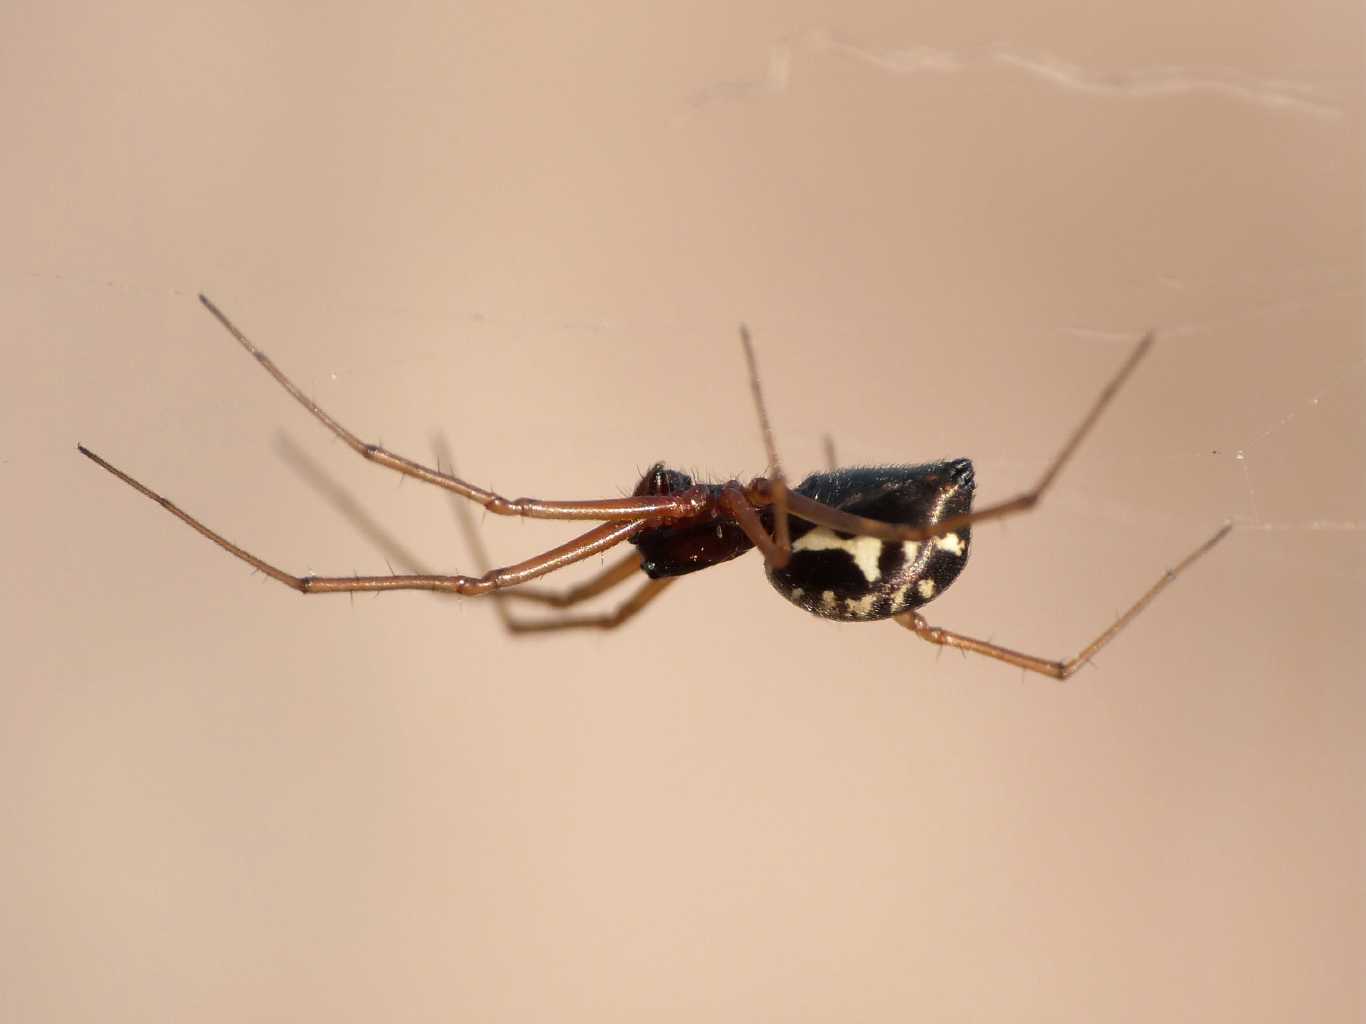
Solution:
(660, 480)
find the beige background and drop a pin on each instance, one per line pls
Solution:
(535, 234)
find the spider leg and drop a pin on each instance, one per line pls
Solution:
(779, 551)
(915, 622)
(734, 502)
(600, 538)
(828, 444)
(823, 515)
(618, 572)
(614, 574)
(341, 498)
(646, 593)
(614, 508)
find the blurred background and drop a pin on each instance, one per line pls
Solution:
(533, 234)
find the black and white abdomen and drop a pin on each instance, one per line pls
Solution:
(861, 579)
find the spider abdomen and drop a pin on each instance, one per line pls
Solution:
(862, 579)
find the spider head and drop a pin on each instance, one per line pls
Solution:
(687, 545)
(659, 479)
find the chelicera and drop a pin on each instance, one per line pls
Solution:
(857, 544)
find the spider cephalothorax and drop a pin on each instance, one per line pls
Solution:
(682, 546)
(851, 544)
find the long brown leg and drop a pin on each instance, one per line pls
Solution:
(600, 538)
(394, 551)
(646, 593)
(823, 515)
(615, 508)
(625, 568)
(915, 622)
(735, 504)
(779, 551)
(614, 574)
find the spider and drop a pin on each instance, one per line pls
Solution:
(856, 544)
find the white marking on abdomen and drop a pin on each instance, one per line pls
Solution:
(865, 551)
(950, 542)
(863, 607)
